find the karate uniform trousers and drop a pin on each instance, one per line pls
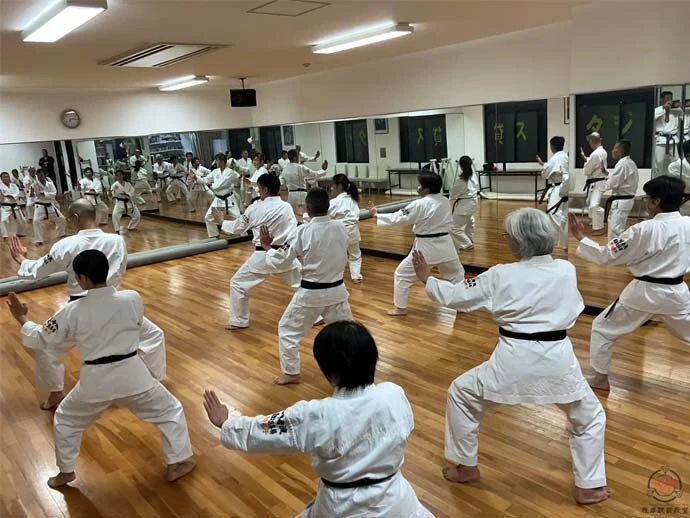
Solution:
(618, 217)
(130, 210)
(12, 221)
(101, 208)
(298, 200)
(200, 197)
(176, 190)
(462, 231)
(141, 187)
(232, 208)
(596, 212)
(558, 216)
(354, 254)
(51, 212)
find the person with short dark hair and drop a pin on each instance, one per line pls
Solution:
(245, 167)
(321, 248)
(295, 177)
(177, 188)
(47, 163)
(161, 174)
(222, 182)
(464, 196)
(123, 203)
(92, 191)
(47, 208)
(200, 196)
(356, 438)
(251, 182)
(432, 218)
(595, 173)
(142, 184)
(681, 169)
(188, 162)
(283, 160)
(556, 174)
(280, 221)
(656, 252)
(12, 220)
(666, 131)
(105, 325)
(622, 182)
(303, 157)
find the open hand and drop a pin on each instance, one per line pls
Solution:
(539, 160)
(216, 411)
(265, 237)
(577, 229)
(218, 216)
(317, 155)
(324, 165)
(17, 308)
(421, 267)
(582, 153)
(372, 209)
(17, 250)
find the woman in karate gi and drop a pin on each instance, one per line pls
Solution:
(356, 438)
(534, 302)
(123, 204)
(463, 199)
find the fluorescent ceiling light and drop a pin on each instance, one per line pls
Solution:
(182, 82)
(61, 18)
(361, 39)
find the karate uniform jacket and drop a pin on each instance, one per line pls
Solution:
(123, 190)
(295, 176)
(198, 182)
(9, 193)
(624, 178)
(46, 193)
(87, 186)
(595, 166)
(463, 195)
(662, 128)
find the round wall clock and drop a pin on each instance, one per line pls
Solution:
(70, 118)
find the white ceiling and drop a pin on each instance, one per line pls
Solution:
(262, 47)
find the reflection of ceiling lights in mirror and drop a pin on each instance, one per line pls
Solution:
(362, 38)
(182, 82)
(61, 18)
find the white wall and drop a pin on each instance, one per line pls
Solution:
(86, 149)
(15, 156)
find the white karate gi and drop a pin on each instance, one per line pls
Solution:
(303, 157)
(666, 139)
(277, 215)
(532, 296)
(622, 181)
(133, 159)
(660, 248)
(106, 323)
(12, 220)
(321, 247)
(463, 200)
(345, 209)
(161, 173)
(681, 170)
(595, 167)
(141, 186)
(50, 372)
(430, 215)
(355, 434)
(177, 187)
(223, 185)
(282, 162)
(123, 204)
(556, 173)
(104, 177)
(200, 196)
(252, 193)
(29, 182)
(46, 208)
(294, 176)
(245, 167)
(92, 190)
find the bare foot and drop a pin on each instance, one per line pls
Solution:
(53, 401)
(356, 281)
(466, 249)
(231, 327)
(180, 469)
(61, 479)
(599, 382)
(397, 312)
(319, 322)
(287, 379)
(461, 474)
(591, 496)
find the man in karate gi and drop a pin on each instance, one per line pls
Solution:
(161, 173)
(177, 189)
(46, 208)
(295, 176)
(29, 181)
(656, 252)
(283, 160)
(623, 183)
(555, 172)
(303, 157)
(432, 218)
(245, 167)
(123, 203)
(92, 189)
(251, 182)
(321, 247)
(222, 181)
(681, 169)
(105, 325)
(12, 220)
(595, 174)
(199, 193)
(666, 131)
(137, 157)
(50, 372)
(279, 219)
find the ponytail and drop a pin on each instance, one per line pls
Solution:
(348, 187)
(465, 163)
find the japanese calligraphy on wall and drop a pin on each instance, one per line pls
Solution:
(423, 138)
(515, 132)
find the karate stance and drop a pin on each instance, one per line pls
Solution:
(105, 326)
(200, 196)
(222, 182)
(656, 252)
(252, 192)
(666, 130)
(50, 372)
(432, 218)
(277, 216)
(356, 437)
(463, 199)
(623, 183)
(123, 205)
(303, 157)
(141, 183)
(294, 176)
(595, 174)
(555, 172)
(46, 208)
(177, 188)
(321, 247)
(245, 168)
(534, 302)
(12, 220)
(29, 181)
(681, 169)
(161, 173)
(92, 189)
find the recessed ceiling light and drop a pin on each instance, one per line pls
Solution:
(61, 18)
(363, 38)
(182, 82)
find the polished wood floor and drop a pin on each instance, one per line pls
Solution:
(525, 458)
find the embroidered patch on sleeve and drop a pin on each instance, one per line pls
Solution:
(617, 245)
(245, 218)
(48, 259)
(50, 325)
(470, 283)
(274, 424)
(285, 247)
(405, 212)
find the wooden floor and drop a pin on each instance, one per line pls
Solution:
(524, 457)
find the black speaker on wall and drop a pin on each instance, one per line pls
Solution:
(242, 98)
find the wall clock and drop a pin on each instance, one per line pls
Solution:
(70, 118)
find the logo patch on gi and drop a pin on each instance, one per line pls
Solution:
(470, 283)
(50, 325)
(245, 218)
(48, 259)
(285, 247)
(274, 424)
(405, 212)
(618, 245)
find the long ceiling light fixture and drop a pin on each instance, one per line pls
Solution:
(61, 18)
(182, 82)
(363, 38)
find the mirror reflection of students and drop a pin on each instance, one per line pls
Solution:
(463, 200)
(680, 168)
(595, 184)
(555, 172)
(666, 125)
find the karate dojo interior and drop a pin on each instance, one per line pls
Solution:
(471, 75)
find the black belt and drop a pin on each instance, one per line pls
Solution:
(178, 178)
(609, 202)
(94, 194)
(125, 201)
(110, 359)
(670, 140)
(554, 209)
(72, 298)
(309, 285)
(45, 207)
(429, 236)
(362, 482)
(455, 202)
(670, 281)
(297, 190)
(225, 200)
(261, 248)
(12, 206)
(546, 336)
(588, 184)
(548, 186)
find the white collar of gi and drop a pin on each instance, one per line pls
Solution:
(272, 198)
(668, 215)
(538, 259)
(99, 292)
(317, 219)
(90, 231)
(345, 393)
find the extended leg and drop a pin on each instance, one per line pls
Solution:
(292, 328)
(354, 256)
(50, 376)
(240, 285)
(404, 278)
(152, 348)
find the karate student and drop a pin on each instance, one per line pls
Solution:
(294, 176)
(92, 190)
(19, 182)
(321, 248)
(200, 195)
(623, 183)
(29, 181)
(46, 208)
(188, 164)
(137, 157)
(534, 302)
(303, 157)
(123, 204)
(105, 326)
(432, 219)
(141, 182)
(12, 220)
(595, 173)
(666, 128)
(252, 192)
(556, 174)
(245, 167)
(681, 169)
(277, 216)
(177, 187)
(463, 199)
(356, 437)
(50, 372)
(161, 172)
(283, 160)
(656, 253)
(222, 182)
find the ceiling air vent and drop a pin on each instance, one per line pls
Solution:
(160, 55)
